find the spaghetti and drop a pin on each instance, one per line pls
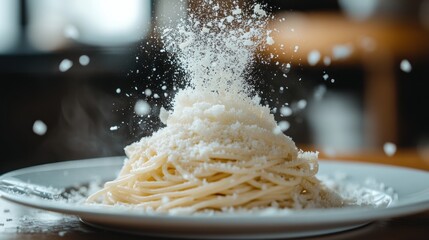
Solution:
(216, 154)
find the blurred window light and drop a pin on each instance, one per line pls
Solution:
(55, 24)
(111, 22)
(336, 122)
(9, 24)
(169, 12)
(46, 20)
(364, 9)
(359, 9)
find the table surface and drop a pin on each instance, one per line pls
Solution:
(19, 222)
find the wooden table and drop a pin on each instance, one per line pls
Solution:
(18, 222)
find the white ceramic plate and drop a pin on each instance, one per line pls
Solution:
(410, 185)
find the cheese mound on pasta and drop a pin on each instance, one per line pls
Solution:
(217, 152)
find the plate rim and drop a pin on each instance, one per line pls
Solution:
(299, 219)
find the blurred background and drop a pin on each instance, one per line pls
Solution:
(78, 76)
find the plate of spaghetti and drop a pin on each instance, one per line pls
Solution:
(368, 192)
(221, 166)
